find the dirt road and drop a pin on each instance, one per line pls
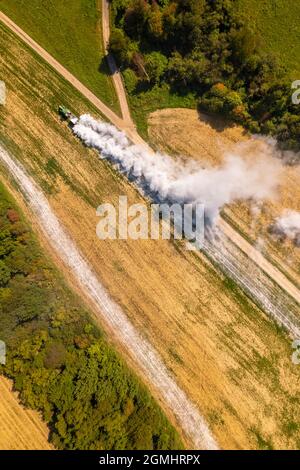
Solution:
(260, 260)
(248, 249)
(127, 126)
(124, 125)
(116, 120)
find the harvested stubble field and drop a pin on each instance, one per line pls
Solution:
(225, 353)
(276, 23)
(72, 33)
(184, 132)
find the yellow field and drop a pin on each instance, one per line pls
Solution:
(20, 429)
(228, 357)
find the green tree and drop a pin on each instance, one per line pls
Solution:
(156, 65)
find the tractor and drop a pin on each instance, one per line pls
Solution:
(67, 115)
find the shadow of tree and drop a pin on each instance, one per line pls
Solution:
(104, 67)
(217, 122)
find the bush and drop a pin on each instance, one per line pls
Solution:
(205, 44)
(156, 65)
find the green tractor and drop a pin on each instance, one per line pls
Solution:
(67, 115)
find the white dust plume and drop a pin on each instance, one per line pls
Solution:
(180, 181)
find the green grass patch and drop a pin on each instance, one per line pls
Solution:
(277, 22)
(70, 30)
(59, 360)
